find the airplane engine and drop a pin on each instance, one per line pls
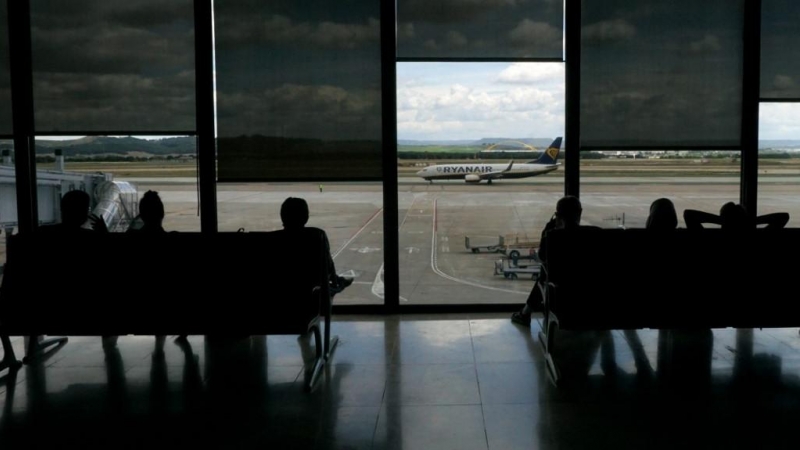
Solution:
(472, 178)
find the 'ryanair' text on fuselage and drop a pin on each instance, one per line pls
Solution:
(464, 169)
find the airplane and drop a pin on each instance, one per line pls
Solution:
(475, 173)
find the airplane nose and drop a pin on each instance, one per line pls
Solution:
(421, 172)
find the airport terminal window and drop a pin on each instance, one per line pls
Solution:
(8, 199)
(6, 125)
(659, 74)
(113, 65)
(446, 29)
(618, 187)
(116, 171)
(298, 90)
(779, 160)
(471, 122)
(780, 50)
(349, 212)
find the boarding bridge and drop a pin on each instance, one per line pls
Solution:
(117, 202)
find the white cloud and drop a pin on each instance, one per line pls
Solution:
(783, 82)
(311, 111)
(708, 44)
(609, 30)
(474, 105)
(405, 31)
(455, 39)
(449, 11)
(522, 73)
(530, 33)
(282, 29)
(779, 121)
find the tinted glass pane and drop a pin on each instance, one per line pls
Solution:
(480, 28)
(661, 73)
(298, 89)
(5, 73)
(780, 49)
(113, 65)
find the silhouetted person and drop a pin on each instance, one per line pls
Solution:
(151, 214)
(567, 215)
(294, 215)
(733, 217)
(662, 216)
(75, 216)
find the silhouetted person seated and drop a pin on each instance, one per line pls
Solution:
(151, 214)
(733, 217)
(75, 217)
(294, 215)
(663, 216)
(149, 221)
(567, 215)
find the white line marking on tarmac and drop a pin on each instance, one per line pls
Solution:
(435, 266)
(357, 233)
(378, 287)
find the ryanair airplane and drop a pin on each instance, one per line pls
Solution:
(475, 173)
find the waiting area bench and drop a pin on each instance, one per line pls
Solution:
(607, 279)
(225, 284)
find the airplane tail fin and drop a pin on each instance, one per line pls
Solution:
(550, 156)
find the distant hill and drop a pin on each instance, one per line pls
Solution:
(130, 146)
(101, 145)
(484, 142)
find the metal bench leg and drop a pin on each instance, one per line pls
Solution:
(9, 361)
(319, 360)
(37, 346)
(330, 341)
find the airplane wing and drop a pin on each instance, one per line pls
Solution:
(496, 174)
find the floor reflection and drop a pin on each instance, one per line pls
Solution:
(389, 386)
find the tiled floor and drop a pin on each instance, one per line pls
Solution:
(413, 382)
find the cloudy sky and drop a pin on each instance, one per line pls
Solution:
(315, 71)
(106, 66)
(477, 100)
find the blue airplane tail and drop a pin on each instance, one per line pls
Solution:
(549, 156)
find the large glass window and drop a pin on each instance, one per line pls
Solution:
(617, 187)
(661, 74)
(779, 160)
(452, 29)
(477, 181)
(8, 197)
(351, 213)
(6, 125)
(298, 90)
(116, 171)
(113, 65)
(780, 49)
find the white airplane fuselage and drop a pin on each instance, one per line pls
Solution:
(471, 172)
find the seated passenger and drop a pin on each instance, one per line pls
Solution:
(733, 217)
(75, 217)
(294, 215)
(151, 214)
(662, 215)
(567, 215)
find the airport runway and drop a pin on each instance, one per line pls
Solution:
(435, 266)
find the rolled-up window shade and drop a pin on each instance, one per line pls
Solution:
(780, 49)
(113, 65)
(6, 125)
(454, 29)
(661, 74)
(298, 89)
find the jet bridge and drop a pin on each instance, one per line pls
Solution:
(117, 202)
